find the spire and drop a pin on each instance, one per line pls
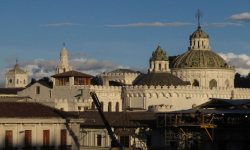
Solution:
(63, 61)
(198, 15)
(16, 65)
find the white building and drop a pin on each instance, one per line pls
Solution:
(16, 77)
(196, 75)
(201, 66)
(63, 61)
(25, 125)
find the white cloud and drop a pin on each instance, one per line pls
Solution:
(223, 24)
(240, 61)
(152, 24)
(61, 24)
(40, 68)
(245, 16)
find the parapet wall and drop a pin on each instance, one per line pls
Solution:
(186, 91)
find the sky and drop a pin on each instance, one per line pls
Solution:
(104, 35)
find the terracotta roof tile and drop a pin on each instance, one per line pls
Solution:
(29, 110)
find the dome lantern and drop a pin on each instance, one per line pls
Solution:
(159, 61)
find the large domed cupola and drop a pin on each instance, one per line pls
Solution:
(159, 61)
(200, 65)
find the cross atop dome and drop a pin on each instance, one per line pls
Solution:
(199, 15)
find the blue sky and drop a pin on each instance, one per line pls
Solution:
(120, 32)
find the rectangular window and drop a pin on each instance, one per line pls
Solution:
(8, 138)
(63, 137)
(45, 137)
(38, 90)
(124, 140)
(28, 138)
(99, 140)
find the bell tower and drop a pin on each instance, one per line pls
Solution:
(63, 62)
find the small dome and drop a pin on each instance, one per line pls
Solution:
(200, 59)
(199, 33)
(16, 69)
(158, 55)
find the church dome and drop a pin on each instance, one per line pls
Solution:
(17, 70)
(199, 33)
(200, 54)
(159, 55)
(200, 59)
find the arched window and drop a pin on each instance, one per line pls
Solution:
(109, 107)
(117, 107)
(196, 83)
(24, 81)
(10, 81)
(212, 84)
(17, 81)
(159, 66)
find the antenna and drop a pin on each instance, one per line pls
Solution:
(16, 61)
(199, 15)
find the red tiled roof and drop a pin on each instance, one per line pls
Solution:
(72, 74)
(29, 110)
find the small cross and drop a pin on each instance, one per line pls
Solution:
(64, 44)
(198, 15)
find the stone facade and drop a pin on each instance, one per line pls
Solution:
(36, 128)
(207, 77)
